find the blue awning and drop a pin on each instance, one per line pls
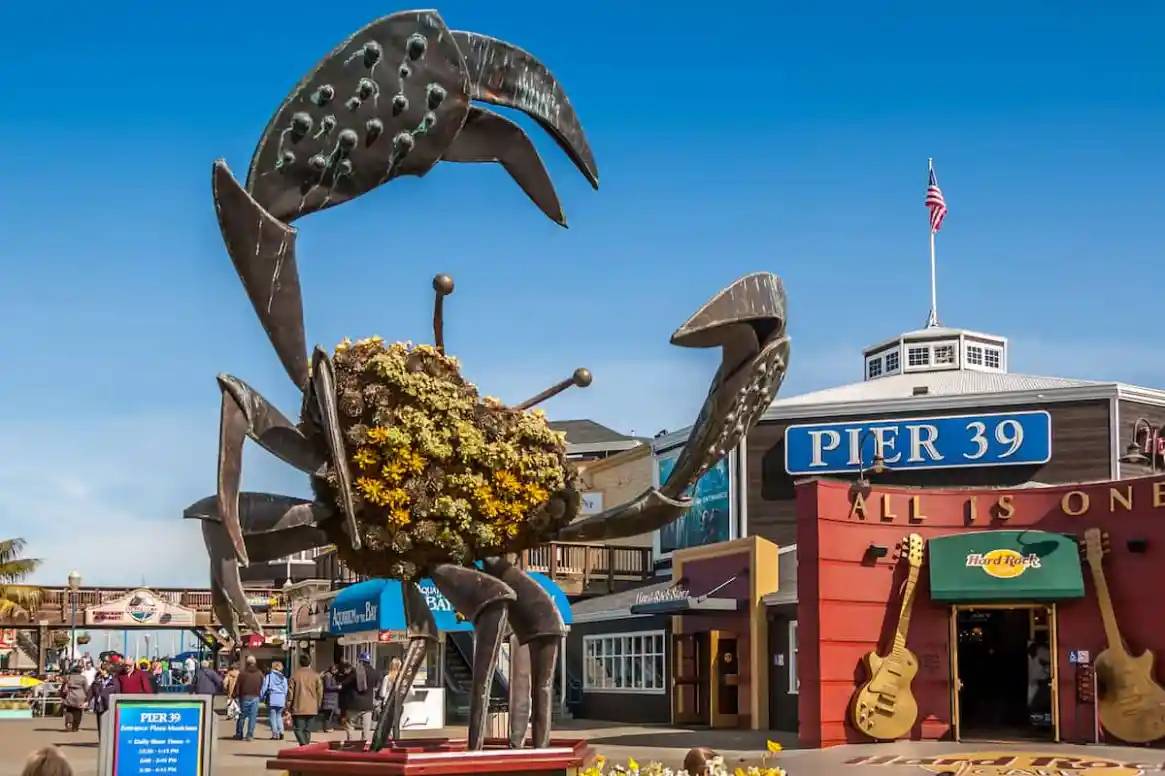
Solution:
(377, 605)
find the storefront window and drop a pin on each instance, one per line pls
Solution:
(624, 662)
(794, 681)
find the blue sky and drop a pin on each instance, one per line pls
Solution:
(730, 138)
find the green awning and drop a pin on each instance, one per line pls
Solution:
(1004, 566)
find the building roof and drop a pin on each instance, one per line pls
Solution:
(932, 332)
(951, 382)
(586, 432)
(613, 606)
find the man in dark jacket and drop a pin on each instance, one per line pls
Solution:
(247, 689)
(205, 680)
(358, 697)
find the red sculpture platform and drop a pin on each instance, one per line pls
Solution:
(432, 757)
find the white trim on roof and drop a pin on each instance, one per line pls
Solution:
(1098, 390)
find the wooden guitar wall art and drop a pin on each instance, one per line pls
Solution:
(884, 707)
(1131, 702)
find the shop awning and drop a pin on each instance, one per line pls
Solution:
(1004, 566)
(377, 605)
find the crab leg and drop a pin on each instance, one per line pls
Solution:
(245, 413)
(262, 249)
(422, 632)
(323, 392)
(274, 526)
(484, 600)
(488, 137)
(539, 629)
(504, 74)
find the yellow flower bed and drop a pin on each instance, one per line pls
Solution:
(716, 767)
(439, 473)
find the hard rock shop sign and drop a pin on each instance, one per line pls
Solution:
(1009, 764)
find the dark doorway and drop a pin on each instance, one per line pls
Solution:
(1004, 670)
(690, 679)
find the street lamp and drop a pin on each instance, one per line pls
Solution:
(1135, 453)
(74, 583)
(878, 464)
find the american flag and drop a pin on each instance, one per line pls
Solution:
(935, 202)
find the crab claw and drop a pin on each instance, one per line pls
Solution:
(747, 320)
(504, 74)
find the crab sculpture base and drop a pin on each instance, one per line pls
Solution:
(433, 757)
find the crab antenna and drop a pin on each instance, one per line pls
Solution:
(581, 377)
(443, 285)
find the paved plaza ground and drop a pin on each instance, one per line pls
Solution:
(668, 745)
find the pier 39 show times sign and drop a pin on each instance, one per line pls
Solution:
(955, 441)
(158, 735)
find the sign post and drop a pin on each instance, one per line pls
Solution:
(157, 734)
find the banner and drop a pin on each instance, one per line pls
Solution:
(707, 521)
(141, 608)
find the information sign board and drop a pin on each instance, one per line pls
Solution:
(160, 735)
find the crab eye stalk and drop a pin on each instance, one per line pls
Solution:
(581, 378)
(443, 285)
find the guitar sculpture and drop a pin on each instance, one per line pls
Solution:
(1132, 704)
(884, 707)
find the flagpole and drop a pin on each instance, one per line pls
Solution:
(933, 320)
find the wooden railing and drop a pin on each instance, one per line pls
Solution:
(578, 568)
(57, 603)
(586, 564)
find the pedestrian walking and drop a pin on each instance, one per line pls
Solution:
(104, 685)
(228, 687)
(74, 694)
(204, 680)
(47, 762)
(330, 705)
(248, 687)
(190, 665)
(305, 698)
(275, 693)
(89, 671)
(358, 697)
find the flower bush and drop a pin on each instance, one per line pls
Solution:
(439, 473)
(716, 767)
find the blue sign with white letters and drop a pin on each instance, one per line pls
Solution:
(1005, 439)
(159, 736)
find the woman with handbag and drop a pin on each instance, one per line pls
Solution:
(275, 693)
(104, 684)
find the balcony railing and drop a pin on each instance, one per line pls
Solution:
(581, 566)
(577, 568)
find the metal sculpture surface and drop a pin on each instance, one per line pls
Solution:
(394, 99)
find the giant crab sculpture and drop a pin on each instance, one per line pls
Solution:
(414, 473)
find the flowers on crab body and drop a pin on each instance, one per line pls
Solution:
(439, 473)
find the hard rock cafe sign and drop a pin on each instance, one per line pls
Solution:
(1012, 764)
(1003, 563)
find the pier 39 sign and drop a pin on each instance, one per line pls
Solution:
(1006, 439)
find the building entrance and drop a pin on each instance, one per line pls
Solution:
(1004, 671)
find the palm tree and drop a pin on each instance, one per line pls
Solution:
(16, 598)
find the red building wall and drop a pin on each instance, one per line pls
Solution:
(847, 607)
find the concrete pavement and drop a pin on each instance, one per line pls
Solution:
(18, 738)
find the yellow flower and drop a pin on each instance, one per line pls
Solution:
(632, 764)
(378, 434)
(365, 457)
(773, 746)
(371, 489)
(740, 772)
